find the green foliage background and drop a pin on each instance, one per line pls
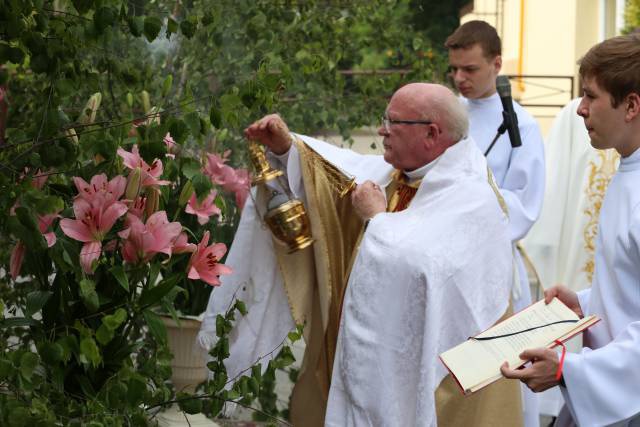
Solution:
(210, 67)
(631, 16)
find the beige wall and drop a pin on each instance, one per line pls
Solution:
(548, 39)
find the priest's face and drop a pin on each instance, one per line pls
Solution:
(473, 74)
(605, 123)
(403, 132)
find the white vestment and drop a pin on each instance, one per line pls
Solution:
(561, 243)
(520, 174)
(603, 381)
(424, 280)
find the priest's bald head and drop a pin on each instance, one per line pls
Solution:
(422, 120)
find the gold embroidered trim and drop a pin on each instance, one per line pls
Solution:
(601, 171)
(492, 182)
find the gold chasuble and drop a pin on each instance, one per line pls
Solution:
(315, 280)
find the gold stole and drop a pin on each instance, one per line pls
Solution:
(315, 280)
(400, 192)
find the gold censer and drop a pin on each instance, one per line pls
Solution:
(285, 215)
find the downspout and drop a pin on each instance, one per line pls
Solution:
(521, 47)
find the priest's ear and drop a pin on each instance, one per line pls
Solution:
(632, 106)
(433, 135)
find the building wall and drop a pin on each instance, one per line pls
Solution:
(547, 38)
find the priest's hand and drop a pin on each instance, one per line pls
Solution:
(567, 296)
(272, 132)
(368, 200)
(540, 374)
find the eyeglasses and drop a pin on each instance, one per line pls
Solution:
(387, 122)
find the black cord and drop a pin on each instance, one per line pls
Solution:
(520, 332)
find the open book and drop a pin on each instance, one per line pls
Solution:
(476, 362)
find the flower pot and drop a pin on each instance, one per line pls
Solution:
(188, 367)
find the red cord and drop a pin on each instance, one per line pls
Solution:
(564, 352)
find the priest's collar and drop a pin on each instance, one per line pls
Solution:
(418, 174)
(631, 162)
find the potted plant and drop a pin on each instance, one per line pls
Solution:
(96, 252)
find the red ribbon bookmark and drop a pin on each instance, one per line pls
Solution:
(564, 352)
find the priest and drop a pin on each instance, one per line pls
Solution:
(414, 262)
(600, 384)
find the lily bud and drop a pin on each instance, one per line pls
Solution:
(153, 201)
(88, 115)
(146, 103)
(133, 184)
(72, 135)
(185, 194)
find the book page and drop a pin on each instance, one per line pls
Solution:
(477, 363)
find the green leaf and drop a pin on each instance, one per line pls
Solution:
(179, 130)
(89, 352)
(215, 116)
(89, 295)
(202, 185)
(192, 120)
(120, 276)
(35, 301)
(241, 307)
(113, 321)
(104, 17)
(17, 322)
(151, 296)
(152, 27)
(188, 28)
(6, 368)
(256, 371)
(28, 363)
(172, 26)
(189, 404)
(26, 219)
(15, 55)
(104, 335)
(166, 85)
(19, 417)
(51, 352)
(82, 6)
(156, 326)
(136, 25)
(254, 386)
(220, 325)
(190, 167)
(135, 390)
(285, 357)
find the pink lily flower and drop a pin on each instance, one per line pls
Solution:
(150, 173)
(39, 179)
(236, 181)
(171, 145)
(182, 245)
(204, 263)
(137, 206)
(143, 241)
(93, 221)
(203, 210)
(17, 255)
(241, 187)
(100, 190)
(219, 173)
